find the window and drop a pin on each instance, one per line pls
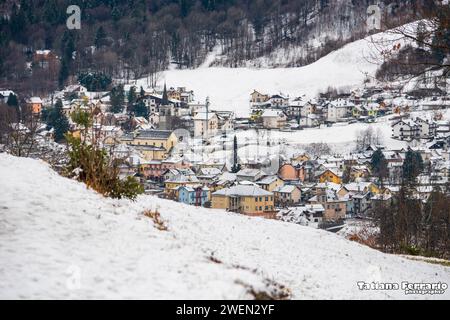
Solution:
(256, 199)
(267, 198)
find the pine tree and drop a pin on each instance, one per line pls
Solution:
(63, 72)
(117, 96)
(236, 166)
(12, 100)
(58, 121)
(140, 110)
(412, 166)
(100, 37)
(379, 165)
(131, 96)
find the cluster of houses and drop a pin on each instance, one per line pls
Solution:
(317, 189)
(420, 129)
(284, 113)
(305, 189)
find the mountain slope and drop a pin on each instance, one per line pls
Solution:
(230, 88)
(60, 240)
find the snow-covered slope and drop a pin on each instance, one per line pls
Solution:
(230, 88)
(60, 240)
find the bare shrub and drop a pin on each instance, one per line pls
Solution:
(158, 222)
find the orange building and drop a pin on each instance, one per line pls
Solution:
(35, 104)
(288, 172)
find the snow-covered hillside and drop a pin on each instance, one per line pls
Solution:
(230, 88)
(60, 240)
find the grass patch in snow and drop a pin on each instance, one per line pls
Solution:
(158, 222)
(271, 291)
(442, 262)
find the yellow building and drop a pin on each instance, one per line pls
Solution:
(330, 176)
(153, 144)
(245, 199)
(300, 158)
(360, 187)
(257, 97)
(270, 183)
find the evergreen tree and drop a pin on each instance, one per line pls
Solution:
(117, 96)
(140, 110)
(131, 96)
(412, 166)
(379, 165)
(63, 72)
(236, 166)
(12, 100)
(58, 121)
(115, 14)
(100, 37)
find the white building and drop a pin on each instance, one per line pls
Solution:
(427, 128)
(206, 124)
(405, 130)
(338, 110)
(274, 119)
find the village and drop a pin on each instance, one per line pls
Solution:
(186, 151)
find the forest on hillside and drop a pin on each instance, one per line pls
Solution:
(134, 38)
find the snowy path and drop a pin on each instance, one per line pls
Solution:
(59, 240)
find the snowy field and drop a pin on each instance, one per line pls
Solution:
(230, 88)
(262, 144)
(60, 240)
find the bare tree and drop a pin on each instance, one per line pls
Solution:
(416, 50)
(18, 130)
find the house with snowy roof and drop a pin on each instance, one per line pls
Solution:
(245, 199)
(405, 130)
(171, 186)
(330, 175)
(269, 183)
(335, 206)
(287, 195)
(248, 174)
(278, 101)
(338, 110)
(206, 124)
(427, 128)
(273, 119)
(193, 195)
(35, 104)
